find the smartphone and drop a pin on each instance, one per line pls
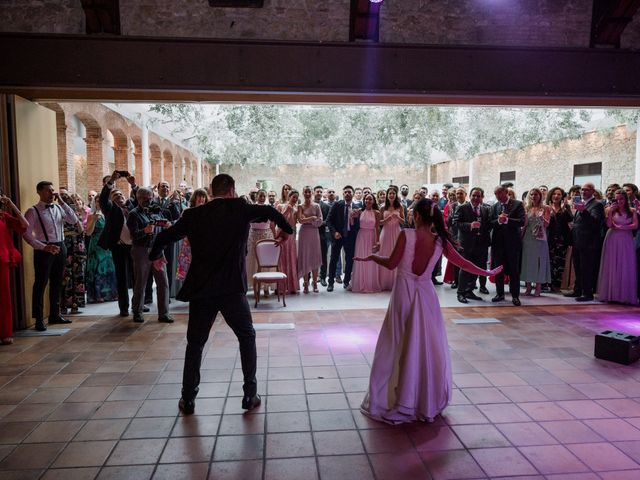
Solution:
(123, 173)
(577, 199)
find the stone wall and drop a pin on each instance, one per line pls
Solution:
(313, 20)
(473, 22)
(300, 175)
(42, 16)
(549, 164)
(550, 23)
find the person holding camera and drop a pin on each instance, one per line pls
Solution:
(144, 223)
(46, 235)
(115, 236)
(10, 219)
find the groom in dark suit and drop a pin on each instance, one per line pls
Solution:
(507, 218)
(217, 279)
(343, 223)
(473, 223)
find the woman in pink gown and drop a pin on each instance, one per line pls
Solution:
(366, 275)
(288, 263)
(411, 370)
(309, 250)
(392, 218)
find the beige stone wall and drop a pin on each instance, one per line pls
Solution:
(550, 164)
(300, 175)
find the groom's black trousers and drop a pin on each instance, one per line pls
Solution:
(202, 313)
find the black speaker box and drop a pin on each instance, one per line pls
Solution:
(617, 347)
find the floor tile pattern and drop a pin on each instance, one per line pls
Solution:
(530, 402)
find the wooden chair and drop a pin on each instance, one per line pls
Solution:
(267, 256)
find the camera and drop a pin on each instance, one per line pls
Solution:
(123, 173)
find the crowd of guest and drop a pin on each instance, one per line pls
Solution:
(580, 242)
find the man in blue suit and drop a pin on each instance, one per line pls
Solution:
(343, 223)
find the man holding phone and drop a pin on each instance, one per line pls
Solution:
(587, 231)
(144, 222)
(46, 235)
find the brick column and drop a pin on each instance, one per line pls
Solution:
(95, 161)
(121, 156)
(66, 165)
(168, 172)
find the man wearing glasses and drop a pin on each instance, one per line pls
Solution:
(587, 231)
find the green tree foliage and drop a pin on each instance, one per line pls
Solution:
(375, 135)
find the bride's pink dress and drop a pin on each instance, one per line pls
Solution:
(390, 232)
(365, 278)
(411, 371)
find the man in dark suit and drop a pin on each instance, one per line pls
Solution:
(473, 223)
(217, 279)
(588, 225)
(461, 199)
(507, 218)
(322, 232)
(343, 223)
(116, 237)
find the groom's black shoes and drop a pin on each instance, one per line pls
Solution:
(187, 406)
(249, 403)
(498, 298)
(462, 298)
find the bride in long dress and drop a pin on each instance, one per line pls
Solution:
(411, 371)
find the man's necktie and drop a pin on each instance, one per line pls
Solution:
(346, 219)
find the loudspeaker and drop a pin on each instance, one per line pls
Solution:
(617, 347)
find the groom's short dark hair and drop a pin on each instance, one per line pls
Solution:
(222, 184)
(346, 187)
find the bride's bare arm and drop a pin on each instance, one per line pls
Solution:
(459, 261)
(393, 260)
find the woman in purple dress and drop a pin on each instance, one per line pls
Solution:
(366, 275)
(309, 250)
(617, 281)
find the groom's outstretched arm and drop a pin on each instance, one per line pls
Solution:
(172, 234)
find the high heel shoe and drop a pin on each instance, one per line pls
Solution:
(315, 287)
(306, 288)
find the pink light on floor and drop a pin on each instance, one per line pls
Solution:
(622, 323)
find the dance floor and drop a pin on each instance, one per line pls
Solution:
(530, 402)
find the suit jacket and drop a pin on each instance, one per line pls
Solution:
(324, 207)
(588, 226)
(171, 210)
(453, 228)
(472, 239)
(335, 220)
(508, 234)
(114, 218)
(217, 232)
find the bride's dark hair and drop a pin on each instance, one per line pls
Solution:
(430, 214)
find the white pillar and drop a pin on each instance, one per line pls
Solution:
(183, 169)
(471, 174)
(428, 174)
(217, 169)
(199, 163)
(637, 180)
(146, 162)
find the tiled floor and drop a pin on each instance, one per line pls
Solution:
(530, 402)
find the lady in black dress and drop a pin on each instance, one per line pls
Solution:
(558, 234)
